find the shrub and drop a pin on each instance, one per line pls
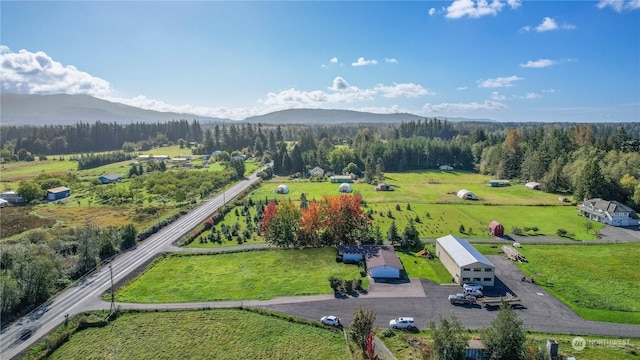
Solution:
(561, 232)
(517, 230)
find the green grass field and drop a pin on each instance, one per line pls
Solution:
(400, 345)
(211, 334)
(419, 267)
(599, 282)
(239, 276)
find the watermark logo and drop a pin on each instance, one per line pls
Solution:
(578, 343)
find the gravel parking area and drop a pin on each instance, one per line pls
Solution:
(540, 310)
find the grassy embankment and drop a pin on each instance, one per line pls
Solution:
(211, 334)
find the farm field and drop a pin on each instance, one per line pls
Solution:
(599, 282)
(257, 275)
(623, 349)
(219, 334)
(429, 186)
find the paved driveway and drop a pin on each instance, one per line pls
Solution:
(540, 310)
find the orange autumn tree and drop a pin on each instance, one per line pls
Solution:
(333, 220)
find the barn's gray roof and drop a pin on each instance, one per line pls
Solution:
(461, 251)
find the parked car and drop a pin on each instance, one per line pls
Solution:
(468, 286)
(473, 292)
(462, 299)
(402, 323)
(331, 320)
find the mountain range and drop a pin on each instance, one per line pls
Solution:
(65, 109)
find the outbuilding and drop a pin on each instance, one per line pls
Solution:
(341, 179)
(464, 262)
(496, 229)
(384, 187)
(110, 178)
(12, 197)
(381, 260)
(498, 183)
(465, 194)
(58, 193)
(345, 188)
(532, 185)
(282, 189)
(3, 203)
(446, 167)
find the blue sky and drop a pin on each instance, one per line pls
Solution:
(506, 60)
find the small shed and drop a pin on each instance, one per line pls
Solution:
(498, 183)
(341, 179)
(465, 194)
(110, 178)
(345, 188)
(533, 185)
(496, 229)
(384, 187)
(446, 167)
(282, 189)
(58, 193)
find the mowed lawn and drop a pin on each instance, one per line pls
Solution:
(420, 267)
(600, 282)
(238, 276)
(212, 334)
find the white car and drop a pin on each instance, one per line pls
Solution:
(473, 286)
(402, 323)
(473, 292)
(331, 320)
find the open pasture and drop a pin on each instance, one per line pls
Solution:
(257, 275)
(212, 334)
(599, 282)
(420, 187)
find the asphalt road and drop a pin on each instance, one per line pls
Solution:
(85, 295)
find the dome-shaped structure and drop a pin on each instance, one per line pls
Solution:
(282, 189)
(345, 188)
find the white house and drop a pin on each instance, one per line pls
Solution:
(464, 262)
(465, 194)
(381, 261)
(608, 212)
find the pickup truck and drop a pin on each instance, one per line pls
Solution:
(462, 299)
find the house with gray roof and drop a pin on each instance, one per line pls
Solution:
(608, 212)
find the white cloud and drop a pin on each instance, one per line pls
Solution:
(532, 96)
(551, 90)
(499, 82)
(432, 11)
(362, 62)
(462, 107)
(334, 60)
(391, 61)
(462, 88)
(619, 5)
(549, 24)
(408, 90)
(497, 96)
(514, 4)
(541, 63)
(473, 9)
(26, 72)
